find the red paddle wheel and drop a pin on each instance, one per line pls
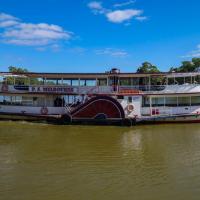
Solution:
(100, 107)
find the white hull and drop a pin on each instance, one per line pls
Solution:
(32, 110)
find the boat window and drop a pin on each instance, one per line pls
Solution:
(145, 102)
(17, 100)
(66, 82)
(1, 79)
(82, 82)
(1, 100)
(125, 81)
(130, 99)
(59, 82)
(50, 82)
(75, 82)
(91, 82)
(135, 81)
(5, 100)
(170, 81)
(158, 101)
(197, 79)
(18, 81)
(195, 101)
(120, 97)
(36, 81)
(183, 101)
(87, 82)
(171, 101)
(102, 82)
(156, 80)
(53, 81)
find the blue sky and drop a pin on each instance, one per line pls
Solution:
(94, 36)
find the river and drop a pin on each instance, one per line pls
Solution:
(49, 162)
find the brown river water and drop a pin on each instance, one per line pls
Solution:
(49, 162)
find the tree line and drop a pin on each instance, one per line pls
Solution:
(186, 66)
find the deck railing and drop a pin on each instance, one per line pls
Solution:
(82, 90)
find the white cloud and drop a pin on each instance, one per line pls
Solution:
(53, 47)
(8, 20)
(112, 52)
(4, 17)
(127, 3)
(7, 23)
(97, 8)
(141, 18)
(95, 5)
(29, 34)
(195, 53)
(119, 16)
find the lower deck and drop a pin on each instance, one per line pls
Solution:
(139, 108)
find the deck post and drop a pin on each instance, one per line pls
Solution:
(164, 101)
(79, 82)
(28, 81)
(150, 103)
(96, 82)
(149, 83)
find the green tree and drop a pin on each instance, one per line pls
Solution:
(17, 80)
(196, 62)
(17, 69)
(147, 68)
(21, 80)
(187, 66)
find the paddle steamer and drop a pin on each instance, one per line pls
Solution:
(111, 97)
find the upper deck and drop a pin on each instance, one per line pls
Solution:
(109, 83)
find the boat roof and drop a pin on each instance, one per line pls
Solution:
(95, 75)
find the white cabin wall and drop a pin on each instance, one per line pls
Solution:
(136, 102)
(32, 110)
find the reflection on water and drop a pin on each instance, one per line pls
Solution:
(39, 161)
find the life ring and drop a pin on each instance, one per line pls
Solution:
(44, 111)
(4, 88)
(130, 108)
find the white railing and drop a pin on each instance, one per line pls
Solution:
(143, 87)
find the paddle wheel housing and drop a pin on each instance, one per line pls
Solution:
(99, 107)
